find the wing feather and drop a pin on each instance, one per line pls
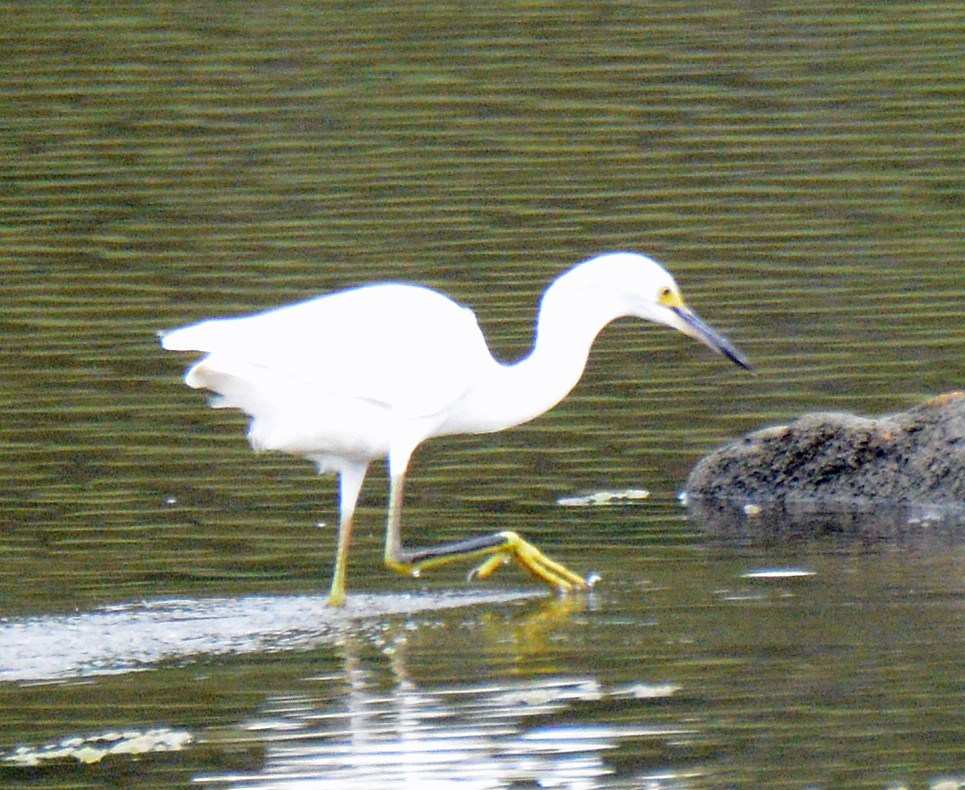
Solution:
(407, 347)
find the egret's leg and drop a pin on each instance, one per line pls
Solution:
(498, 549)
(394, 554)
(350, 483)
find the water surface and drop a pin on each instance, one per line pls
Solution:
(799, 168)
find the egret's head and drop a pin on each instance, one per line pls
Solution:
(643, 288)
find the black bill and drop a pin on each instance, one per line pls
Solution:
(693, 325)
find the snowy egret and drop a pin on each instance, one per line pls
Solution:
(372, 372)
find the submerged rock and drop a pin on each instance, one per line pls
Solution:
(913, 461)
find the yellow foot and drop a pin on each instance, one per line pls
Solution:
(535, 563)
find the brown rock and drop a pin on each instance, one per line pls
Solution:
(912, 458)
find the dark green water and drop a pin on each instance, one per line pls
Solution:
(798, 167)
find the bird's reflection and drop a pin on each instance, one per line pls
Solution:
(384, 728)
(427, 690)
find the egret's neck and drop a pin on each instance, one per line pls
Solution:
(566, 327)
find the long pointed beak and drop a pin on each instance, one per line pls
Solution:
(694, 326)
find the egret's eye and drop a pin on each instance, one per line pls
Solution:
(666, 294)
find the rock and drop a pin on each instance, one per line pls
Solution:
(831, 462)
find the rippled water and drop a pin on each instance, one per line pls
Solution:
(799, 169)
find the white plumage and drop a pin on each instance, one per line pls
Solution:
(372, 372)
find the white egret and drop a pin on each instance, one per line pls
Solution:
(372, 372)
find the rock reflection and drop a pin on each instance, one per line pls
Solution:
(924, 527)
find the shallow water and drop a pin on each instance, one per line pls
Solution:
(799, 169)
(702, 664)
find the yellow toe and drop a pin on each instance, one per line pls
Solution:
(538, 565)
